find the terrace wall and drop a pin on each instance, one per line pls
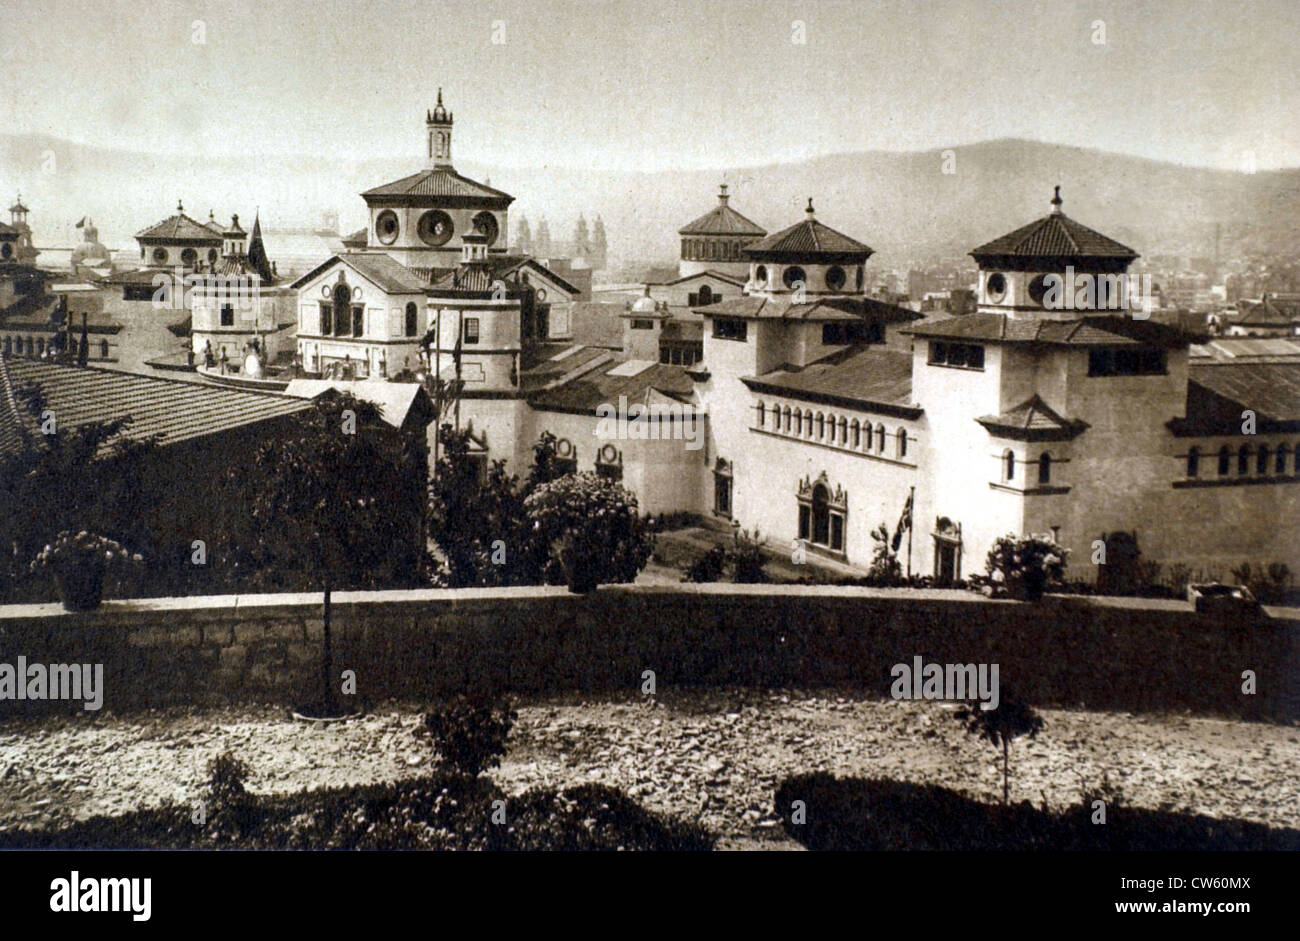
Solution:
(1102, 653)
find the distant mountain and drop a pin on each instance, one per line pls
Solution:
(901, 204)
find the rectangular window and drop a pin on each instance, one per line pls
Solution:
(959, 355)
(837, 532)
(846, 332)
(326, 320)
(722, 494)
(358, 320)
(643, 324)
(471, 330)
(227, 315)
(805, 521)
(1143, 361)
(728, 328)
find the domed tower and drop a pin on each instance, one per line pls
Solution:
(642, 325)
(24, 251)
(90, 254)
(1017, 270)
(717, 240)
(808, 258)
(421, 219)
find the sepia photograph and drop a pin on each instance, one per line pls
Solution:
(681, 427)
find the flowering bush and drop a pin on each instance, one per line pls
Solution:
(584, 524)
(1023, 566)
(75, 550)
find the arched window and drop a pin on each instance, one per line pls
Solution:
(844, 430)
(40, 346)
(1044, 468)
(1279, 462)
(760, 274)
(785, 418)
(1243, 460)
(9, 347)
(30, 348)
(821, 427)
(342, 309)
(1261, 459)
(1008, 465)
(880, 439)
(412, 316)
(1193, 461)
(706, 295)
(821, 515)
(1225, 459)
(798, 422)
(103, 349)
(857, 434)
(808, 422)
(762, 414)
(776, 417)
(901, 435)
(866, 444)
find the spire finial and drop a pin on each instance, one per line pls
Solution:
(179, 206)
(809, 210)
(439, 97)
(1056, 200)
(722, 193)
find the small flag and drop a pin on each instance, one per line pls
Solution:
(904, 521)
(82, 222)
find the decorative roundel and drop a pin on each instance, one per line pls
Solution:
(435, 228)
(996, 287)
(541, 294)
(325, 290)
(356, 293)
(835, 277)
(386, 227)
(486, 224)
(1038, 288)
(564, 448)
(608, 454)
(793, 275)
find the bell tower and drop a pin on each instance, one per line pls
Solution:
(438, 128)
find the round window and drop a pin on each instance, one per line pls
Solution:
(160, 255)
(435, 228)
(1038, 288)
(386, 226)
(760, 274)
(6, 250)
(188, 257)
(996, 287)
(212, 256)
(835, 278)
(486, 224)
(794, 275)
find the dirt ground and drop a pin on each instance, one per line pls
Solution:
(711, 755)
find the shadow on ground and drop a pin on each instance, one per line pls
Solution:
(874, 814)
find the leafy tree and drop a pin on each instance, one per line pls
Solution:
(1009, 721)
(885, 568)
(477, 519)
(546, 465)
(71, 479)
(334, 504)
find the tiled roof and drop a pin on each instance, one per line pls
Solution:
(809, 237)
(477, 278)
(1217, 394)
(7, 229)
(359, 237)
(380, 267)
(1248, 349)
(439, 181)
(1082, 331)
(1054, 235)
(585, 392)
(1269, 312)
(180, 227)
(722, 220)
(498, 268)
(1033, 420)
(859, 375)
(710, 273)
(167, 410)
(12, 433)
(782, 307)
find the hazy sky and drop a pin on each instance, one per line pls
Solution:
(658, 84)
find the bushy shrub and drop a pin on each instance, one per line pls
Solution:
(588, 526)
(1270, 584)
(708, 567)
(226, 777)
(469, 734)
(1023, 566)
(885, 570)
(747, 558)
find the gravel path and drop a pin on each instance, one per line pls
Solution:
(711, 755)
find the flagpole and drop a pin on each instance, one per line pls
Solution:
(911, 517)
